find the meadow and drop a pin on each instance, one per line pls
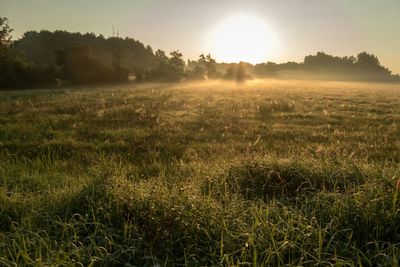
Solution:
(265, 173)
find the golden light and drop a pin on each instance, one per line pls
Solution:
(243, 38)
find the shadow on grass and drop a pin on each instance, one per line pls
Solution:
(286, 179)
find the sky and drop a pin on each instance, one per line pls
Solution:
(300, 27)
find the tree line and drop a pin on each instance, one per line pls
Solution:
(364, 67)
(48, 58)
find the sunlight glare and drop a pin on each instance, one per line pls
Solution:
(243, 38)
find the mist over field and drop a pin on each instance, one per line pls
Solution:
(233, 151)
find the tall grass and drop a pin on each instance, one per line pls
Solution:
(264, 174)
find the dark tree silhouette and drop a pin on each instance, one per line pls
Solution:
(364, 67)
(368, 59)
(5, 37)
(78, 67)
(14, 70)
(129, 54)
(166, 69)
(39, 58)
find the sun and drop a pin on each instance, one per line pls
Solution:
(243, 38)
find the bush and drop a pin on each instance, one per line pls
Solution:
(15, 73)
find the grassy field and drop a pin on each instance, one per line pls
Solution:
(267, 173)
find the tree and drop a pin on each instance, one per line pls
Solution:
(129, 54)
(368, 59)
(210, 65)
(369, 67)
(176, 62)
(204, 68)
(161, 58)
(15, 71)
(166, 69)
(239, 72)
(5, 37)
(78, 67)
